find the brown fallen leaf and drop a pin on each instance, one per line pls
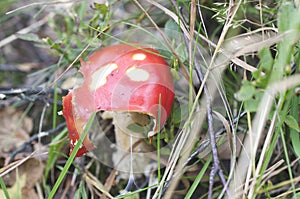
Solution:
(14, 131)
(14, 191)
(22, 179)
(19, 190)
(33, 168)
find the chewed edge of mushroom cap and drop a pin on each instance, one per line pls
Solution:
(72, 125)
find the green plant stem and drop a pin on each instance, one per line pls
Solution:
(286, 154)
(158, 140)
(4, 188)
(72, 156)
(198, 179)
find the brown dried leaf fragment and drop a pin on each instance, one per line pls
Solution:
(22, 179)
(14, 131)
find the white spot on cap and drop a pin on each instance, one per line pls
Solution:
(139, 57)
(137, 74)
(99, 77)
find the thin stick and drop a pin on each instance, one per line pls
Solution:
(35, 137)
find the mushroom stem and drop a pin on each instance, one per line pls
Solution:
(130, 143)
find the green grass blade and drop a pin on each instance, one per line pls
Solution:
(294, 134)
(55, 146)
(71, 158)
(287, 159)
(4, 188)
(81, 193)
(158, 141)
(198, 179)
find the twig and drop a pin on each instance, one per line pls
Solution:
(29, 94)
(31, 91)
(216, 168)
(35, 137)
(44, 3)
(205, 143)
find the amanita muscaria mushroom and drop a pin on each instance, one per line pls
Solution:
(119, 78)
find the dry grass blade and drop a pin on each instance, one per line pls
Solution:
(227, 127)
(109, 181)
(7, 169)
(186, 142)
(40, 4)
(255, 43)
(271, 172)
(26, 30)
(264, 150)
(173, 16)
(90, 179)
(248, 43)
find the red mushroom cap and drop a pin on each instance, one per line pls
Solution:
(119, 78)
